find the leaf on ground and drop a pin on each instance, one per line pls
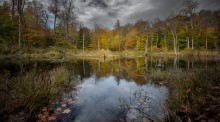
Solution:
(66, 111)
(44, 109)
(42, 117)
(46, 114)
(63, 105)
(71, 102)
(58, 109)
(51, 118)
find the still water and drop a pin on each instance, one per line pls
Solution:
(109, 91)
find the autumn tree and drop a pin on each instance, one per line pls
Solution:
(67, 15)
(189, 8)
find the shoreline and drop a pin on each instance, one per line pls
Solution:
(106, 54)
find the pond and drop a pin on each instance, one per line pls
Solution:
(97, 90)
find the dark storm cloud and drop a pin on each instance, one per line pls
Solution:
(106, 12)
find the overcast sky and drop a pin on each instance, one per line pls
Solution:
(106, 12)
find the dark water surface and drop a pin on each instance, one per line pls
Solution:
(108, 91)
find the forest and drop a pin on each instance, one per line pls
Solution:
(28, 25)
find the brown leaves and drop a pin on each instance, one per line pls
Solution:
(66, 111)
(44, 116)
(48, 114)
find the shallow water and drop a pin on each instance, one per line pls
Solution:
(117, 90)
(105, 99)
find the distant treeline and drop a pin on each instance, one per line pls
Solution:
(47, 23)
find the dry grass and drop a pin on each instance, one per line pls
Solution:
(194, 94)
(30, 91)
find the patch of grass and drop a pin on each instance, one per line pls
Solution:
(30, 91)
(194, 94)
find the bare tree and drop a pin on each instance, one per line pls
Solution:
(54, 8)
(67, 14)
(189, 8)
(13, 2)
(173, 29)
(147, 30)
(20, 8)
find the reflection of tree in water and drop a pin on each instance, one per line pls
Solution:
(137, 107)
(83, 69)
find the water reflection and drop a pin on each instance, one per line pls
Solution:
(101, 100)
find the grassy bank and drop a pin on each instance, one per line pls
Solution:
(30, 91)
(194, 94)
(67, 53)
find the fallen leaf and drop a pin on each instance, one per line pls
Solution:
(51, 118)
(50, 109)
(63, 105)
(71, 102)
(58, 109)
(44, 109)
(42, 118)
(46, 114)
(66, 111)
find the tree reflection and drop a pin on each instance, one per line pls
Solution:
(136, 107)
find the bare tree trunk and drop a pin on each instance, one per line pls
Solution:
(192, 42)
(13, 9)
(54, 25)
(187, 40)
(67, 31)
(175, 63)
(206, 43)
(98, 44)
(20, 7)
(146, 47)
(20, 28)
(151, 42)
(165, 38)
(83, 45)
(157, 41)
(119, 42)
(177, 43)
(174, 42)
(109, 43)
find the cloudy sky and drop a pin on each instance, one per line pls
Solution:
(106, 12)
